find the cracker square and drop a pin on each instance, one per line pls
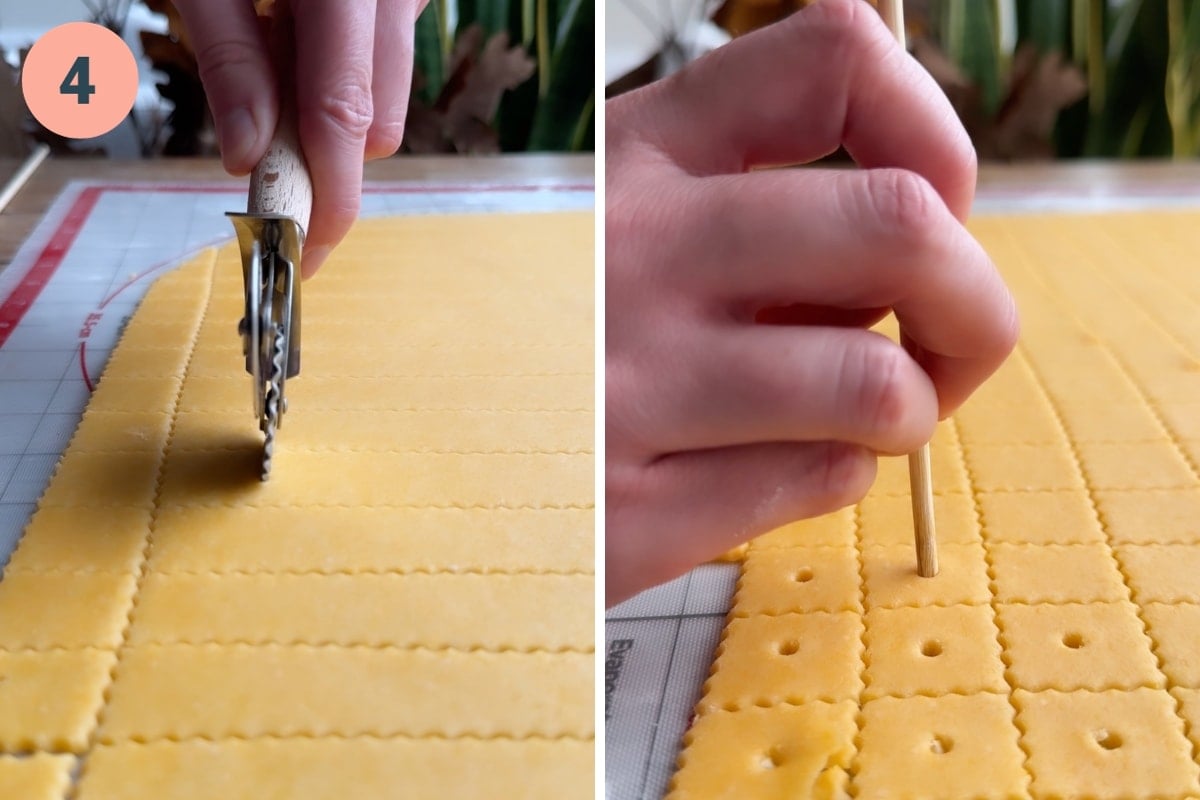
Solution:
(892, 580)
(1079, 646)
(786, 660)
(51, 699)
(932, 651)
(940, 747)
(835, 529)
(1175, 629)
(39, 776)
(778, 581)
(63, 610)
(1052, 517)
(1162, 573)
(1135, 465)
(1105, 744)
(887, 519)
(1151, 516)
(1020, 467)
(785, 751)
(1050, 573)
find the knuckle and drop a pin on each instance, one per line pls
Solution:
(843, 24)
(227, 59)
(905, 204)
(349, 106)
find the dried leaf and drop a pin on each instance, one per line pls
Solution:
(1041, 86)
(479, 71)
(470, 111)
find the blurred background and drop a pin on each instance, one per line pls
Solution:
(1030, 79)
(491, 76)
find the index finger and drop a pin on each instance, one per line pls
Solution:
(828, 76)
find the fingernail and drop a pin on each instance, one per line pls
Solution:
(238, 133)
(312, 260)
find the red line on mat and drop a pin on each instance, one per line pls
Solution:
(13, 309)
(87, 379)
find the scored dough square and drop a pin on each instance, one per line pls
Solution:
(319, 769)
(1189, 709)
(147, 395)
(63, 610)
(887, 519)
(949, 474)
(1151, 516)
(1031, 421)
(137, 360)
(892, 580)
(50, 699)
(1048, 573)
(1182, 418)
(1106, 744)
(185, 691)
(83, 540)
(100, 480)
(785, 751)
(122, 431)
(35, 777)
(940, 747)
(1079, 646)
(1175, 629)
(222, 539)
(1135, 465)
(835, 529)
(1113, 422)
(1162, 573)
(787, 659)
(1021, 467)
(778, 581)
(932, 650)
(544, 612)
(1051, 517)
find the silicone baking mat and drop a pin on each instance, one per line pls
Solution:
(412, 587)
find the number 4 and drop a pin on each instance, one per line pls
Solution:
(77, 83)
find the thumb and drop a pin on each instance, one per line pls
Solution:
(236, 71)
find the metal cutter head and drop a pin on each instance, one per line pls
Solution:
(270, 329)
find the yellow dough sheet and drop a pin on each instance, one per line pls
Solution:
(404, 610)
(1057, 653)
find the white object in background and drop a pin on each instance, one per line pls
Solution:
(636, 30)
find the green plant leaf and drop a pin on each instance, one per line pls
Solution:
(1046, 23)
(970, 34)
(569, 94)
(428, 59)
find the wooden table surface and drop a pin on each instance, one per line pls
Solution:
(31, 203)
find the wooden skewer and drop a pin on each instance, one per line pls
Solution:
(23, 174)
(919, 473)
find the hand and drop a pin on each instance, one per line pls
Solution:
(353, 73)
(719, 427)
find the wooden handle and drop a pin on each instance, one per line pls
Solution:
(280, 184)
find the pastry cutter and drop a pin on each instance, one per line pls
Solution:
(271, 238)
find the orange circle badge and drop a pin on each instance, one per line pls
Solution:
(80, 80)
